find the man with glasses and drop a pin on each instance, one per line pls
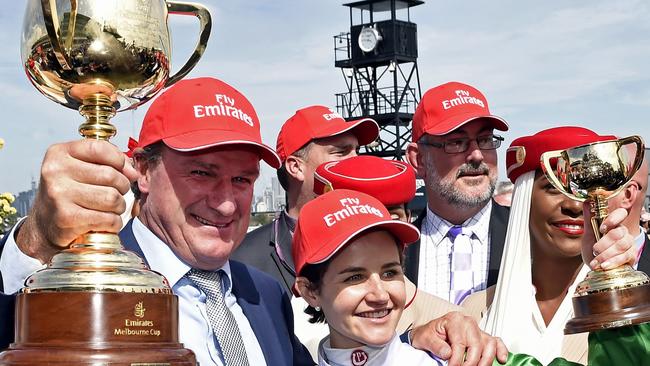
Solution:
(463, 229)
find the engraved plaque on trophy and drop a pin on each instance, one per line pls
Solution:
(96, 303)
(594, 173)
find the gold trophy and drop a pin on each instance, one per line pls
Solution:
(594, 173)
(96, 303)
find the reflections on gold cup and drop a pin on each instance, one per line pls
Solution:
(101, 57)
(595, 173)
(104, 55)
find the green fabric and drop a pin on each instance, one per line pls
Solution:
(629, 346)
(620, 346)
(526, 360)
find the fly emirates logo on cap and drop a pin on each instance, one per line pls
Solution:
(225, 107)
(332, 116)
(462, 97)
(351, 207)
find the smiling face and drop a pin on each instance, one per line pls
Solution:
(198, 203)
(556, 223)
(362, 296)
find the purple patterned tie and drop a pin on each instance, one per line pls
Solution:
(462, 276)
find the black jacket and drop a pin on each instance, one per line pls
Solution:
(259, 250)
(7, 302)
(498, 227)
(644, 260)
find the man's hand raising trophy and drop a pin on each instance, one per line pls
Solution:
(594, 173)
(96, 303)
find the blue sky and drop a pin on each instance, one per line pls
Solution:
(540, 64)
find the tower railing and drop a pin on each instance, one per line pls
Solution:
(342, 47)
(361, 102)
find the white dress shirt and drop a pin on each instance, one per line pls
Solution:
(434, 268)
(15, 265)
(639, 242)
(194, 327)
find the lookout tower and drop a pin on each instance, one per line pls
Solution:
(378, 61)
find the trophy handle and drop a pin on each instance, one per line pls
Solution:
(545, 161)
(201, 12)
(640, 151)
(51, 19)
(638, 159)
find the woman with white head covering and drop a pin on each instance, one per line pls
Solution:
(542, 263)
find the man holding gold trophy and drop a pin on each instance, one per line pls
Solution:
(95, 303)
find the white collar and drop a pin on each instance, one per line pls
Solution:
(162, 259)
(437, 227)
(393, 353)
(365, 355)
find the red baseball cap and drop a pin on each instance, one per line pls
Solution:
(524, 153)
(450, 106)
(329, 222)
(391, 182)
(318, 122)
(200, 113)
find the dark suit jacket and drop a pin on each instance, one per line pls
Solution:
(498, 227)
(6, 310)
(259, 250)
(262, 299)
(265, 304)
(644, 260)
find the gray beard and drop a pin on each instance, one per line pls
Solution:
(454, 197)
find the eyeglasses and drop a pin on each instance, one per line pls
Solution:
(455, 146)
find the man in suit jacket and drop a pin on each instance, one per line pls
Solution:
(197, 160)
(262, 301)
(454, 152)
(497, 230)
(644, 258)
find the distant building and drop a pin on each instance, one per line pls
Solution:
(279, 195)
(267, 198)
(260, 206)
(25, 200)
(273, 198)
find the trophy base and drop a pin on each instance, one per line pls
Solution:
(129, 355)
(610, 309)
(96, 328)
